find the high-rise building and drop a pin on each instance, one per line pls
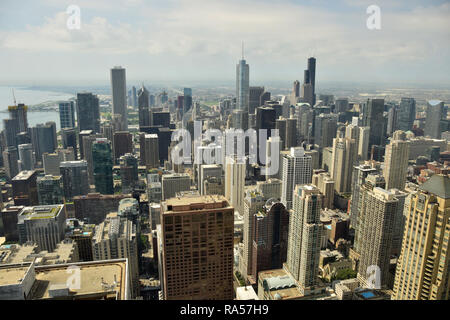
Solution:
(253, 202)
(88, 112)
(373, 117)
(144, 110)
(93, 207)
(434, 116)
(396, 161)
(235, 182)
(49, 189)
(242, 85)
(44, 139)
(341, 105)
(43, 225)
(9, 222)
(122, 144)
(325, 127)
(51, 161)
(187, 99)
(69, 140)
(360, 173)
(305, 230)
(343, 158)
(11, 129)
(26, 157)
(24, 188)
(201, 268)
(254, 98)
(295, 95)
(270, 240)
(74, 178)
(379, 208)
(309, 83)
(102, 166)
(11, 162)
(116, 238)
(119, 94)
(296, 170)
(422, 271)
(67, 114)
(173, 183)
(149, 150)
(206, 171)
(19, 114)
(406, 114)
(325, 184)
(128, 172)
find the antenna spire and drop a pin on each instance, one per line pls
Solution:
(14, 97)
(242, 50)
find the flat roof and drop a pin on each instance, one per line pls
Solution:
(12, 275)
(195, 202)
(24, 175)
(41, 212)
(92, 275)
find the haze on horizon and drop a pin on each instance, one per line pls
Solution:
(180, 40)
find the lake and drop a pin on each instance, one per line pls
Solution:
(31, 97)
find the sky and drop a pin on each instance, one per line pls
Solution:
(200, 40)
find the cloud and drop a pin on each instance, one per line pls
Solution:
(278, 34)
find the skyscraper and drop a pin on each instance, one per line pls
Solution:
(143, 103)
(378, 213)
(67, 114)
(10, 162)
(88, 112)
(26, 158)
(309, 83)
(242, 85)
(173, 183)
(422, 271)
(44, 139)
(69, 140)
(119, 94)
(74, 178)
(235, 182)
(128, 172)
(270, 240)
(102, 165)
(373, 118)
(149, 150)
(19, 113)
(434, 115)
(187, 99)
(296, 170)
(406, 114)
(305, 231)
(343, 158)
(253, 202)
(201, 268)
(122, 144)
(254, 100)
(50, 190)
(396, 161)
(24, 188)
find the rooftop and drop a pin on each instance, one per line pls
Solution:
(24, 175)
(195, 202)
(438, 185)
(41, 212)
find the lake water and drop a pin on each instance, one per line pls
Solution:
(31, 97)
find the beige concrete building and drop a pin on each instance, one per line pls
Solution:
(325, 185)
(235, 182)
(396, 161)
(197, 248)
(343, 158)
(422, 271)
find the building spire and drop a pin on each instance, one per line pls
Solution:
(242, 50)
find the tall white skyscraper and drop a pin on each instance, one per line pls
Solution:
(305, 230)
(119, 94)
(396, 161)
(242, 84)
(296, 170)
(343, 158)
(235, 182)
